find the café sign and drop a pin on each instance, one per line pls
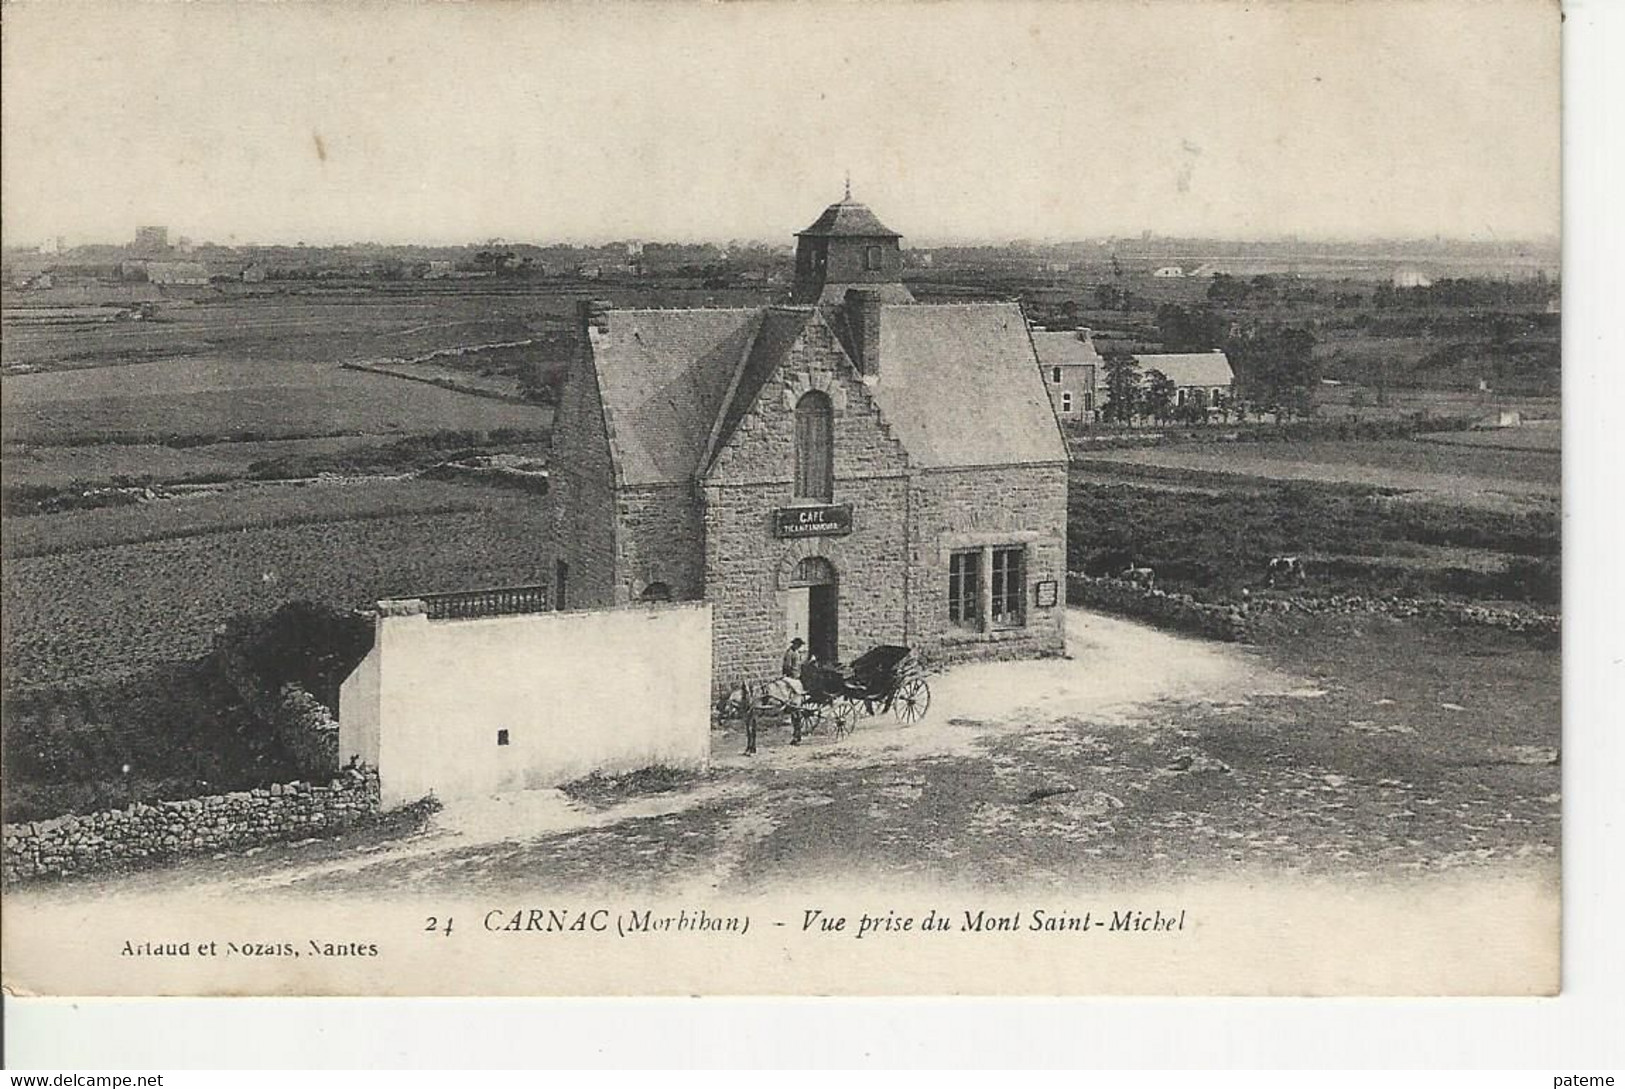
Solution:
(821, 521)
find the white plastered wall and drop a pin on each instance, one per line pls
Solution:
(611, 691)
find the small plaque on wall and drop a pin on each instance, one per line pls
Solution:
(1045, 594)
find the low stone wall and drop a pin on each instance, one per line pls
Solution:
(1236, 622)
(1180, 612)
(120, 838)
(1466, 613)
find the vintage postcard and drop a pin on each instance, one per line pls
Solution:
(782, 498)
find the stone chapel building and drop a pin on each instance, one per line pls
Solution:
(853, 468)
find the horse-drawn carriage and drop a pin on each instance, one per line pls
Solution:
(886, 678)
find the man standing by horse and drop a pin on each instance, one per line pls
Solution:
(795, 656)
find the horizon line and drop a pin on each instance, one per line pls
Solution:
(926, 242)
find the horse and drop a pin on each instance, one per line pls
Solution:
(1140, 576)
(747, 700)
(1286, 568)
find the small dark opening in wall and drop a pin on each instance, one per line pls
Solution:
(502, 737)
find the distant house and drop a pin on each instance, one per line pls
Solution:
(253, 273)
(177, 273)
(1205, 269)
(1169, 272)
(438, 270)
(1071, 367)
(1200, 378)
(1411, 277)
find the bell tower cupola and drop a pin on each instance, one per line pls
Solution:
(847, 247)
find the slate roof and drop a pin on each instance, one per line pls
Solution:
(664, 376)
(960, 386)
(833, 294)
(1063, 349)
(1190, 368)
(848, 219)
(777, 333)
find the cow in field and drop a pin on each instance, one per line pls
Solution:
(1286, 569)
(1140, 576)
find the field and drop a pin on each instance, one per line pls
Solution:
(59, 466)
(216, 389)
(235, 509)
(195, 402)
(324, 324)
(90, 611)
(1475, 476)
(1387, 516)
(1545, 439)
(317, 326)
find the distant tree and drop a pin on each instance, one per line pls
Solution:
(1193, 330)
(1226, 288)
(1277, 366)
(1157, 399)
(1122, 389)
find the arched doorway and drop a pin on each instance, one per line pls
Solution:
(812, 608)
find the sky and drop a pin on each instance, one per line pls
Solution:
(436, 122)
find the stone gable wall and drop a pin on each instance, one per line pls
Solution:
(762, 448)
(660, 538)
(581, 494)
(748, 568)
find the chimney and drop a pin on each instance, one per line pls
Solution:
(862, 309)
(593, 314)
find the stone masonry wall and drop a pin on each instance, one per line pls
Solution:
(750, 573)
(115, 839)
(661, 538)
(961, 509)
(1242, 621)
(1178, 612)
(581, 493)
(748, 568)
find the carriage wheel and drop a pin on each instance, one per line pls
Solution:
(911, 700)
(844, 713)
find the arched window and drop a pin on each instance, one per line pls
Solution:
(815, 452)
(657, 591)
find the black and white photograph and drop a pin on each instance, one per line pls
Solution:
(893, 498)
